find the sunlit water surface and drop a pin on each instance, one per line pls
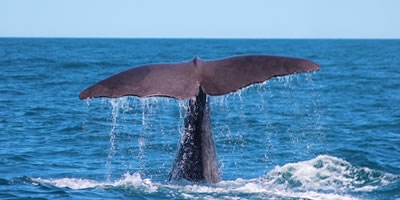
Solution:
(331, 134)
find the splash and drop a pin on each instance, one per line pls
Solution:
(118, 106)
(73, 183)
(242, 121)
(325, 174)
(128, 180)
(324, 177)
(135, 121)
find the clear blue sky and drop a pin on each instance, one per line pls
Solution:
(201, 19)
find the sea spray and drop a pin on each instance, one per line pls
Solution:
(127, 181)
(294, 110)
(271, 109)
(183, 106)
(116, 105)
(146, 111)
(322, 177)
(326, 174)
(250, 112)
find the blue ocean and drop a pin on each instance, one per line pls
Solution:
(329, 134)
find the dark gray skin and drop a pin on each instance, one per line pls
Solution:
(183, 80)
(196, 159)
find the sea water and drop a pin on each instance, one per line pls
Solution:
(330, 134)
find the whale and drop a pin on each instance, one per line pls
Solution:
(197, 79)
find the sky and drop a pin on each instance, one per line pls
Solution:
(201, 19)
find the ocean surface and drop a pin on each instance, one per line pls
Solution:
(330, 134)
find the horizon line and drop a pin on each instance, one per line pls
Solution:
(203, 38)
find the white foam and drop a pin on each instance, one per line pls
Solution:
(326, 173)
(131, 180)
(73, 183)
(233, 189)
(324, 177)
(135, 180)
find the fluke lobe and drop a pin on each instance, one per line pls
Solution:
(196, 159)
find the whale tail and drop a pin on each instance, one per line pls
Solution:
(196, 159)
(183, 80)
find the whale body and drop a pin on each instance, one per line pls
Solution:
(196, 158)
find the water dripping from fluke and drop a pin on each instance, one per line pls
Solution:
(195, 80)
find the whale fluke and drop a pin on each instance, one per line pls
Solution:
(183, 80)
(196, 159)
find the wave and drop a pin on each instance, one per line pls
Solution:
(324, 177)
(133, 180)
